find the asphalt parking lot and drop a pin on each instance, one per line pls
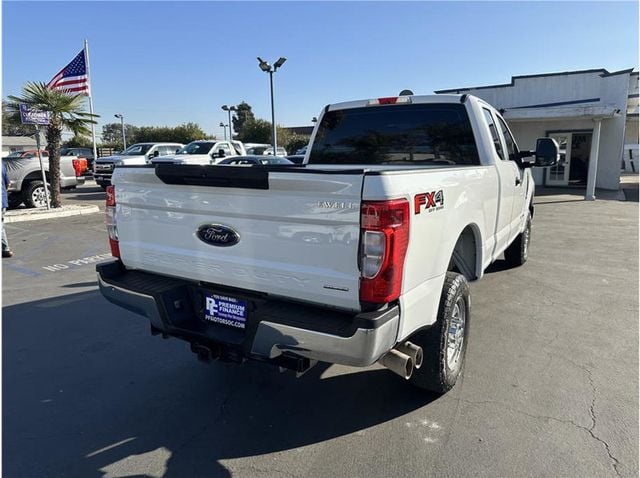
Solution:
(550, 386)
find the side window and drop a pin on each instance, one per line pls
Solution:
(512, 148)
(225, 147)
(494, 133)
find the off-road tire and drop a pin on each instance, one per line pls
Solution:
(28, 190)
(437, 374)
(518, 252)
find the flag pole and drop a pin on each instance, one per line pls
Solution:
(93, 128)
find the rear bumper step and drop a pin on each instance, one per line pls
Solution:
(275, 329)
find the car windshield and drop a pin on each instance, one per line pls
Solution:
(417, 134)
(136, 150)
(196, 148)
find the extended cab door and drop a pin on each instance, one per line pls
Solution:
(508, 177)
(519, 208)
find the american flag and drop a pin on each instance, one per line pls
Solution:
(73, 78)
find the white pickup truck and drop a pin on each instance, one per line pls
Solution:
(203, 152)
(360, 255)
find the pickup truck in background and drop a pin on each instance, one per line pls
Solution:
(203, 152)
(135, 155)
(25, 178)
(362, 254)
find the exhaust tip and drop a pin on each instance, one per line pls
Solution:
(398, 362)
(413, 351)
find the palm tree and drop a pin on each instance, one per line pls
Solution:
(66, 112)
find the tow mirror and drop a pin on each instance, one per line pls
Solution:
(221, 153)
(156, 153)
(547, 152)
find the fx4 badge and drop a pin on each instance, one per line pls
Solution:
(433, 201)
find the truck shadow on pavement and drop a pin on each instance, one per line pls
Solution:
(88, 392)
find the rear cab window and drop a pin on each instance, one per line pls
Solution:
(488, 117)
(512, 147)
(411, 134)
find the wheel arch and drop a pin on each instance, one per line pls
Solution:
(466, 256)
(36, 176)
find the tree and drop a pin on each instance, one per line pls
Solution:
(112, 134)
(256, 131)
(243, 114)
(66, 112)
(79, 141)
(12, 126)
(184, 133)
(294, 141)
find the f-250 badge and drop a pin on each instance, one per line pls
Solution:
(433, 201)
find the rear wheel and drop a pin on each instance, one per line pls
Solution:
(34, 194)
(444, 343)
(517, 253)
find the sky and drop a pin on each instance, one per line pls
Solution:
(167, 63)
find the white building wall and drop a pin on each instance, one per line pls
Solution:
(614, 90)
(601, 88)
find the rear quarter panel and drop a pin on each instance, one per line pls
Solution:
(470, 196)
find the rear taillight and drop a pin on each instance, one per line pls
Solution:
(79, 166)
(385, 237)
(110, 221)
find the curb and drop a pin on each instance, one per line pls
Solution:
(39, 214)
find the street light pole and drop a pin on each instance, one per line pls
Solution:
(274, 136)
(224, 128)
(229, 109)
(124, 136)
(267, 68)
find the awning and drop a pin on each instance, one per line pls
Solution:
(561, 113)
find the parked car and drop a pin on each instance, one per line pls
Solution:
(23, 169)
(280, 150)
(136, 154)
(200, 152)
(256, 160)
(362, 255)
(302, 151)
(86, 153)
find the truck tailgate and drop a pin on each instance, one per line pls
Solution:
(298, 230)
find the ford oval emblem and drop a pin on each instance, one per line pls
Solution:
(218, 235)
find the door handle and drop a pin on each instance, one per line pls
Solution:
(518, 181)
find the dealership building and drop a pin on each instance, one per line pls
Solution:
(593, 114)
